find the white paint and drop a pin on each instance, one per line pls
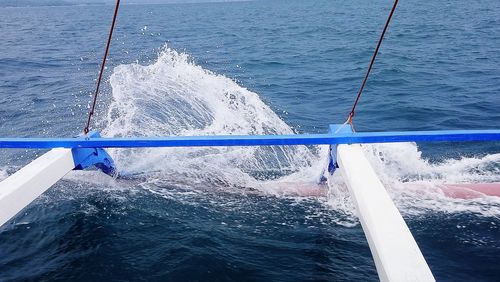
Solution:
(21, 188)
(395, 252)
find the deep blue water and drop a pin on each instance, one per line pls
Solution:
(438, 69)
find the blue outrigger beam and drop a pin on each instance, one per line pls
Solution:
(89, 150)
(334, 137)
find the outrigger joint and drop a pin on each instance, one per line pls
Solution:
(97, 157)
(332, 154)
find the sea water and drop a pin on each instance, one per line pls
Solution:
(258, 67)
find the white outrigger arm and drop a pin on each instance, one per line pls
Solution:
(395, 252)
(21, 188)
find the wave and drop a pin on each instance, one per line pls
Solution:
(174, 96)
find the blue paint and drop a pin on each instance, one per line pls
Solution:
(254, 140)
(304, 57)
(97, 157)
(336, 129)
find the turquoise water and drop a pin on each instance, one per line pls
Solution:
(249, 68)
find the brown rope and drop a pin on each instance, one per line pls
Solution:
(351, 114)
(103, 64)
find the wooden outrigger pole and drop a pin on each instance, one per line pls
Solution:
(252, 140)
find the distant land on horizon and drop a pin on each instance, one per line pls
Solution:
(38, 3)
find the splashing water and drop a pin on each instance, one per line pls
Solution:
(174, 96)
(414, 183)
(3, 173)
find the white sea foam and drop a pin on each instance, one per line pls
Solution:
(414, 183)
(174, 96)
(3, 173)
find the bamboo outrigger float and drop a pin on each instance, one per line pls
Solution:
(395, 252)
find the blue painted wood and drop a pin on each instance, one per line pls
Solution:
(336, 129)
(93, 157)
(254, 140)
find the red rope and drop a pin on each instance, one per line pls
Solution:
(103, 64)
(351, 114)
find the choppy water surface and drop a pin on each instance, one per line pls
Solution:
(249, 68)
